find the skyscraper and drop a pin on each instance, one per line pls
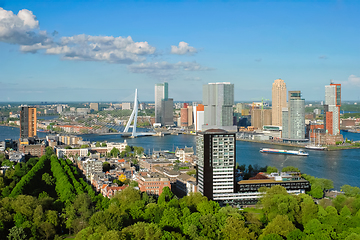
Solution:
(167, 112)
(27, 122)
(293, 125)
(218, 100)
(332, 108)
(278, 101)
(215, 152)
(161, 93)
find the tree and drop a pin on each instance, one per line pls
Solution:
(235, 229)
(84, 146)
(277, 201)
(106, 167)
(16, 233)
(242, 167)
(114, 152)
(290, 169)
(280, 225)
(270, 169)
(97, 144)
(103, 144)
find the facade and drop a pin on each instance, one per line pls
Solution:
(36, 150)
(278, 101)
(153, 183)
(184, 117)
(126, 106)
(27, 122)
(293, 125)
(91, 166)
(94, 106)
(198, 117)
(161, 93)
(167, 112)
(261, 117)
(332, 108)
(215, 151)
(239, 107)
(218, 100)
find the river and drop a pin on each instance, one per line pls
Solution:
(340, 166)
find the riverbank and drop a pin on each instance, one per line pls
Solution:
(329, 147)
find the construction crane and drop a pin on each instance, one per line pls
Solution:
(262, 103)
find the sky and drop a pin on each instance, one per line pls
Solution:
(103, 50)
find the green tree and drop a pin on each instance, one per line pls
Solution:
(106, 167)
(290, 169)
(97, 144)
(114, 152)
(235, 229)
(103, 144)
(271, 169)
(280, 225)
(16, 233)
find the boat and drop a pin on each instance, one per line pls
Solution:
(280, 151)
(315, 147)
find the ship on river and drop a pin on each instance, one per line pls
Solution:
(288, 152)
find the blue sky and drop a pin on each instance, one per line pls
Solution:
(103, 50)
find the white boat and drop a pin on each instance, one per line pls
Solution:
(280, 151)
(315, 147)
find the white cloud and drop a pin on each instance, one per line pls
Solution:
(102, 48)
(22, 28)
(165, 70)
(183, 48)
(353, 81)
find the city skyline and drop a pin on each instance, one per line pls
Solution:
(71, 55)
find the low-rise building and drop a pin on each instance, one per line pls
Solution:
(91, 166)
(184, 154)
(16, 157)
(149, 164)
(152, 183)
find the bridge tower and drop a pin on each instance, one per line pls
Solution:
(133, 117)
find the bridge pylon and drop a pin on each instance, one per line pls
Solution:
(133, 117)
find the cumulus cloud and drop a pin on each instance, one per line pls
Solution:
(22, 28)
(101, 48)
(353, 81)
(165, 70)
(183, 48)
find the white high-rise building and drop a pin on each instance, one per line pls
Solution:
(218, 100)
(161, 93)
(216, 159)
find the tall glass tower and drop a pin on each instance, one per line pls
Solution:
(161, 93)
(218, 100)
(293, 125)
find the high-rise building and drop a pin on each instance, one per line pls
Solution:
(239, 107)
(278, 101)
(293, 124)
(218, 100)
(161, 93)
(215, 152)
(167, 112)
(332, 108)
(198, 117)
(260, 117)
(184, 117)
(27, 122)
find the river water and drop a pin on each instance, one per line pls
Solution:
(340, 166)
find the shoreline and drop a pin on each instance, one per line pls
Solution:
(330, 148)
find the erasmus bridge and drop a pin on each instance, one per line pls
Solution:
(104, 125)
